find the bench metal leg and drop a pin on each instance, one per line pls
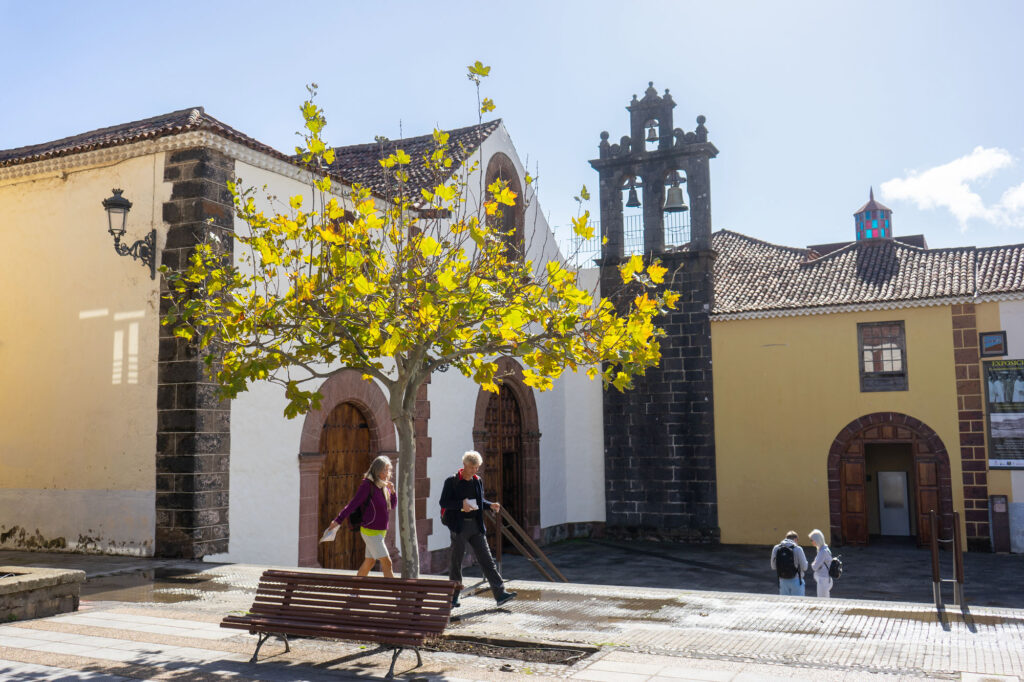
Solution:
(391, 670)
(263, 637)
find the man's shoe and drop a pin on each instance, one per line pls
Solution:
(505, 597)
(455, 600)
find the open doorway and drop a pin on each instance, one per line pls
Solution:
(890, 490)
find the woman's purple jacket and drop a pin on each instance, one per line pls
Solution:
(376, 513)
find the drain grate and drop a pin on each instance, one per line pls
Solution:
(531, 652)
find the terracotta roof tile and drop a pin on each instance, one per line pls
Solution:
(360, 163)
(174, 123)
(753, 275)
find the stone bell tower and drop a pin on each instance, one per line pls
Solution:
(659, 436)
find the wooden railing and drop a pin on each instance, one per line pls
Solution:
(508, 528)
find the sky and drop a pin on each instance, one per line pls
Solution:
(809, 103)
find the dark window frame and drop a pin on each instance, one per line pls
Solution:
(890, 380)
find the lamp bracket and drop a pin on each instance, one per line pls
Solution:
(143, 250)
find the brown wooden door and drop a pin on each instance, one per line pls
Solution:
(927, 489)
(854, 502)
(503, 470)
(345, 444)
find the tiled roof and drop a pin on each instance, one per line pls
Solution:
(752, 275)
(360, 163)
(174, 123)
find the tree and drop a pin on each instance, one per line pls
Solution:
(399, 286)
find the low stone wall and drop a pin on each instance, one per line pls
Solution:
(29, 592)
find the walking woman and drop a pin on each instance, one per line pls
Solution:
(821, 563)
(376, 497)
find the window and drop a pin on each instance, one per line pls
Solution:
(882, 356)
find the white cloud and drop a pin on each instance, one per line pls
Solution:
(949, 186)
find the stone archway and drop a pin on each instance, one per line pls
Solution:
(511, 376)
(933, 487)
(347, 386)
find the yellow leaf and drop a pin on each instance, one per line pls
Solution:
(329, 157)
(634, 265)
(447, 280)
(621, 381)
(491, 207)
(364, 286)
(506, 196)
(401, 157)
(296, 201)
(656, 272)
(429, 246)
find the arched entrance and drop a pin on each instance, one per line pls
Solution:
(870, 461)
(506, 433)
(364, 399)
(345, 446)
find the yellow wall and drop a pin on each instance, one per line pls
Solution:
(784, 389)
(78, 442)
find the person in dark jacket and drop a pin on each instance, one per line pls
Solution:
(462, 511)
(376, 497)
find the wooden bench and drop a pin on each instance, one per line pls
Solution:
(393, 612)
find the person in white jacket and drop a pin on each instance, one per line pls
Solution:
(821, 563)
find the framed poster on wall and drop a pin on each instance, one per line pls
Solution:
(1004, 397)
(992, 344)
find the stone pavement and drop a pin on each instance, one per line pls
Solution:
(171, 632)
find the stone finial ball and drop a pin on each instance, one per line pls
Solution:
(701, 119)
(604, 134)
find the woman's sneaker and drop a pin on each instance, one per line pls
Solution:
(505, 597)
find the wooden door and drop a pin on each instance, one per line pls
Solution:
(927, 490)
(345, 444)
(854, 502)
(503, 470)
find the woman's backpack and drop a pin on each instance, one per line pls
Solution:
(355, 519)
(835, 568)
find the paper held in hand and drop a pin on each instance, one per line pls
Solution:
(471, 503)
(329, 534)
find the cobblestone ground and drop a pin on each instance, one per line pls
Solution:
(164, 625)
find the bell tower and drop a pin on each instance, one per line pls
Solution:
(660, 477)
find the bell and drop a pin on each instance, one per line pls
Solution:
(674, 200)
(652, 134)
(633, 201)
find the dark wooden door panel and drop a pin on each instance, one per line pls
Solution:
(345, 442)
(854, 502)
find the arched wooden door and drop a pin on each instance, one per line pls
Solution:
(503, 458)
(345, 444)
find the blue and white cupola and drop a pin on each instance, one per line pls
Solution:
(873, 220)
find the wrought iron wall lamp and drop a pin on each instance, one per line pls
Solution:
(117, 208)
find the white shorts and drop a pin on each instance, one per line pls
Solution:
(375, 548)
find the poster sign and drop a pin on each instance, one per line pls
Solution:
(1004, 392)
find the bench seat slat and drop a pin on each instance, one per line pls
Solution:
(384, 610)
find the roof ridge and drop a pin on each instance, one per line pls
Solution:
(796, 249)
(488, 126)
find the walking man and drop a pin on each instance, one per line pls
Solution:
(790, 563)
(462, 511)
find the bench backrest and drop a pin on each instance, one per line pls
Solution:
(384, 604)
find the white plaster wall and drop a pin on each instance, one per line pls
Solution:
(79, 332)
(452, 406)
(263, 507)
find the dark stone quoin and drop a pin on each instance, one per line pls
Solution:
(193, 427)
(659, 437)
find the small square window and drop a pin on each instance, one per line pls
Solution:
(882, 356)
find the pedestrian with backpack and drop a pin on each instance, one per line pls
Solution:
(821, 564)
(372, 504)
(790, 563)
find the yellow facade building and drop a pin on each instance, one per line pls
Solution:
(848, 384)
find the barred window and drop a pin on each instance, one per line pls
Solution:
(883, 356)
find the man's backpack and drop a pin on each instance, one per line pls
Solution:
(835, 569)
(785, 562)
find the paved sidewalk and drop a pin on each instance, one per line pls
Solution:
(640, 633)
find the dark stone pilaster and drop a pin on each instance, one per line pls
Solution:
(193, 426)
(660, 473)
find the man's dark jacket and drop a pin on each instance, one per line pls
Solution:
(451, 503)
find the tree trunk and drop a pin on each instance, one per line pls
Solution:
(407, 494)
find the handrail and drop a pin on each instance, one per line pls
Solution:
(958, 560)
(509, 528)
